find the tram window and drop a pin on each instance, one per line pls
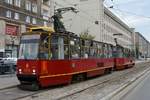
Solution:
(128, 53)
(114, 51)
(44, 49)
(105, 48)
(83, 42)
(93, 50)
(85, 46)
(82, 48)
(125, 53)
(109, 51)
(99, 50)
(66, 48)
(119, 52)
(59, 47)
(74, 48)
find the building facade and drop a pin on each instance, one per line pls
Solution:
(17, 16)
(116, 28)
(88, 19)
(97, 20)
(142, 46)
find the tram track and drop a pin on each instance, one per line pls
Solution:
(14, 93)
(104, 82)
(8, 87)
(55, 95)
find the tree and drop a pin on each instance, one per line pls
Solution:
(86, 35)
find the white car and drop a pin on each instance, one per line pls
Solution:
(9, 60)
(8, 65)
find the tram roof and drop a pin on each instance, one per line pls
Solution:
(47, 29)
(39, 30)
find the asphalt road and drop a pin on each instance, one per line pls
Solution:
(141, 91)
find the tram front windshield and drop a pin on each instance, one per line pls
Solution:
(29, 45)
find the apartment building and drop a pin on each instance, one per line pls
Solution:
(17, 16)
(88, 19)
(116, 28)
(142, 46)
(97, 20)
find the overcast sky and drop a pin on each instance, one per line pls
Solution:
(136, 13)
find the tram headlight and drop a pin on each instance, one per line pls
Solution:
(20, 70)
(33, 70)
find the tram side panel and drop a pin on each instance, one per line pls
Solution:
(119, 63)
(55, 72)
(123, 63)
(129, 62)
(62, 71)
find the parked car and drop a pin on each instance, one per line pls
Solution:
(8, 65)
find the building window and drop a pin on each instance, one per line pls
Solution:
(28, 5)
(33, 20)
(16, 16)
(46, 17)
(45, 23)
(8, 13)
(17, 3)
(46, 2)
(34, 7)
(45, 14)
(9, 1)
(28, 19)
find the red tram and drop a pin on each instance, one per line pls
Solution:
(47, 58)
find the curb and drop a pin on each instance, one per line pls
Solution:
(8, 87)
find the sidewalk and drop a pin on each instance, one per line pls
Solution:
(9, 80)
(140, 61)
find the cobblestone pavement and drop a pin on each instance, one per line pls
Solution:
(95, 92)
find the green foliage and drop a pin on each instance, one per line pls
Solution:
(86, 35)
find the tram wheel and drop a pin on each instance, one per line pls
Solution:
(78, 77)
(108, 71)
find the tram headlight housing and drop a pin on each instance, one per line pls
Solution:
(34, 71)
(20, 70)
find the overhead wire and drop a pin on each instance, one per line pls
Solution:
(81, 10)
(131, 13)
(85, 18)
(121, 14)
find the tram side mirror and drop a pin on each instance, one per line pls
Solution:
(72, 43)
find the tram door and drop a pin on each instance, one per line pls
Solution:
(57, 47)
(60, 48)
